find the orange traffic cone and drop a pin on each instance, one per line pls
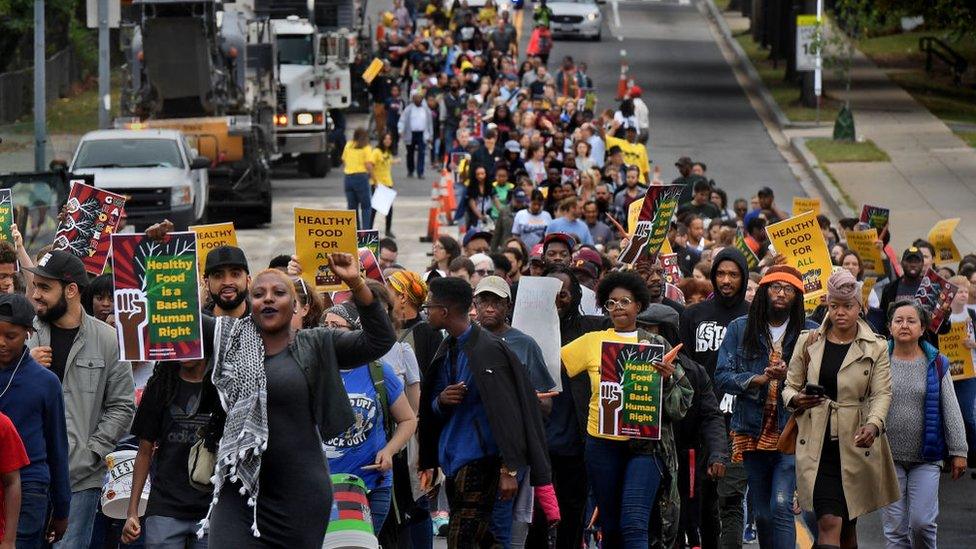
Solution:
(448, 198)
(433, 225)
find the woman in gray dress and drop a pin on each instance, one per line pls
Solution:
(282, 395)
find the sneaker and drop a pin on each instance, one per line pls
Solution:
(440, 524)
(749, 535)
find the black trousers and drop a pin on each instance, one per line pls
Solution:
(571, 486)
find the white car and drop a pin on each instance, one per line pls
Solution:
(157, 170)
(580, 18)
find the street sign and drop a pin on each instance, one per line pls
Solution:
(806, 31)
(114, 14)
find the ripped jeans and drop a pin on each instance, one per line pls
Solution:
(772, 481)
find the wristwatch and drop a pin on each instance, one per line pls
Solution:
(504, 470)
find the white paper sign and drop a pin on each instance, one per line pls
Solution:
(535, 314)
(383, 198)
(588, 304)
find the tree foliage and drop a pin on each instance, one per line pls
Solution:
(64, 25)
(958, 17)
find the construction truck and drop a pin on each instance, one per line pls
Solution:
(208, 69)
(314, 56)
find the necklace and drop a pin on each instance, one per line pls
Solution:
(842, 341)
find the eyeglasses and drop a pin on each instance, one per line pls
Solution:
(335, 325)
(784, 289)
(482, 272)
(621, 303)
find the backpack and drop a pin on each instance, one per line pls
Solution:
(382, 396)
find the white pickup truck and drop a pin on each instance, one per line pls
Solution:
(157, 170)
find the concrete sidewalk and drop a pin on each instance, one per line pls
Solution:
(932, 173)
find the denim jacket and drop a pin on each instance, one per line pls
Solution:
(734, 370)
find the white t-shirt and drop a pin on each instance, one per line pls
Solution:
(777, 332)
(531, 228)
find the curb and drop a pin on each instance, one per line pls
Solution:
(835, 200)
(743, 60)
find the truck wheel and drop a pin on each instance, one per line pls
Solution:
(315, 165)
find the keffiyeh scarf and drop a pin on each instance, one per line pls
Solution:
(240, 380)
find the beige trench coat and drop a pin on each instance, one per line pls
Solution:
(864, 395)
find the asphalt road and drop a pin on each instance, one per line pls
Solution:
(698, 109)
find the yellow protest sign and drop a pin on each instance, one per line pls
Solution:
(806, 204)
(866, 286)
(941, 238)
(319, 233)
(953, 346)
(810, 303)
(799, 239)
(374, 68)
(212, 236)
(666, 247)
(633, 212)
(863, 243)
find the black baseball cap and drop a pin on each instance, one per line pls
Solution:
(912, 252)
(63, 266)
(16, 309)
(225, 256)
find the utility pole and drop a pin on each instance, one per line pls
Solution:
(104, 76)
(40, 96)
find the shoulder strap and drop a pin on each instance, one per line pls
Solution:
(382, 396)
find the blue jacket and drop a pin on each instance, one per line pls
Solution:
(35, 405)
(933, 436)
(735, 368)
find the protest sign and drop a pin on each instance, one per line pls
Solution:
(369, 239)
(157, 307)
(875, 216)
(935, 294)
(319, 233)
(588, 304)
(672, 273)
(373, 70)
(866, 287)
(369, 266)
(569, 175)
(631, 390)
(806, 204)
(811, 303)
(91, 216)
(953, 346)
(382, 199)
(535, 314)
(212, 236)
(799, 239)
(864, 244)
(6, 216)
(651, 229)
(941, 238)
(740, 244)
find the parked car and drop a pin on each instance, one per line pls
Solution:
(157, 170)
(577, 18)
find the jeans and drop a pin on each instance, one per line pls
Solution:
(379, 506)
(422, 532)
(33, 514)
(625, 492)
(415, 150)
(501, 518)
(81, 519)
(910, 522)
(966, 394)
(172, 533)
(356, 186)
(772, 482)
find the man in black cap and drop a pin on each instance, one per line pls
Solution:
(904, 287)
(98, 389)
(687, 178)
(228, 279)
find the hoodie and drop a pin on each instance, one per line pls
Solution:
(703, 427)
(703, 325)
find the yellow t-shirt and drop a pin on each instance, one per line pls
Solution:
(382, 167)
(354, 160)
(635, 154)
(584, 354)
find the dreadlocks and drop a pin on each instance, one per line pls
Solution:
(758, 323)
